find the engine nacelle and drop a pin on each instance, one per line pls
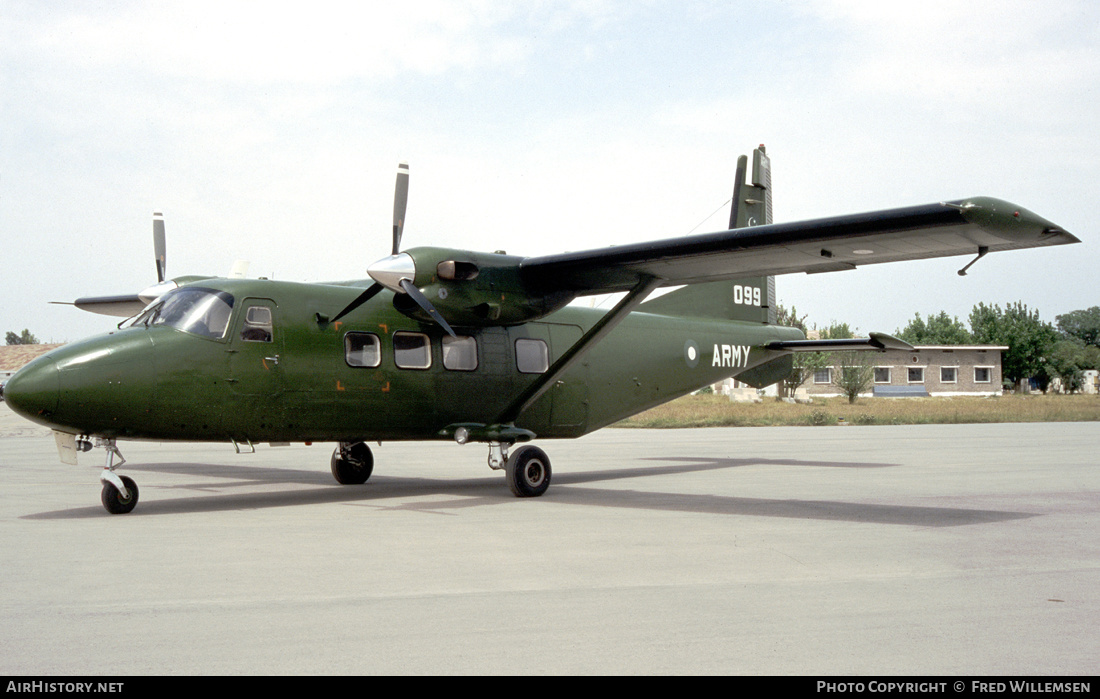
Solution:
(476, 289)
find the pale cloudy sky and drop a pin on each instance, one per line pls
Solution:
(270, 132)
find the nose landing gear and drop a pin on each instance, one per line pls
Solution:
(120, 493)
(120, 499)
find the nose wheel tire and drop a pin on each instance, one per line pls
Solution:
(528, 472)
(112, 498)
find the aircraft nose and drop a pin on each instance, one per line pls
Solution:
(33, 390)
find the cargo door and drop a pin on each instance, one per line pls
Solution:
(569, 405)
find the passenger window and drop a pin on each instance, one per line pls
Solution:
(412, 350)
(257, 324)
(459, 353)
(362, 349)
(532, 356)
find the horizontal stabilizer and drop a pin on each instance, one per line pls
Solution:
(877, 341)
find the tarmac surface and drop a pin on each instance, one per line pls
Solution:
(951, 550)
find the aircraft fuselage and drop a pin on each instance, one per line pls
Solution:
(275, 373)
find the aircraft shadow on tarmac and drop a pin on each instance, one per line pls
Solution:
(391, 493)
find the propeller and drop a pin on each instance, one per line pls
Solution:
(400, 202)
(362, 298)
(154, 292)
(397, 271)
(423, 302)
(128, 305)
(158, 245)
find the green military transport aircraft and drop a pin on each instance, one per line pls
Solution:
(471, 346)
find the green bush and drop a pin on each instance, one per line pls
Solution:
(819, 417)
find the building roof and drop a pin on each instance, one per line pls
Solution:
(14, 357)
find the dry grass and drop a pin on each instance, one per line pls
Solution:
(718, 411)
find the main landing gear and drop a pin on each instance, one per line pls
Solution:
(527, 470)
(352, 463)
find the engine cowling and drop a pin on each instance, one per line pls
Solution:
(475, 289)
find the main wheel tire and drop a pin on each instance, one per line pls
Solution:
(112, 498)
(356, 467)
(528, 472)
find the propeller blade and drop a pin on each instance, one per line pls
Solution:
(362, 298)
(158, 245)
(400, 201)
(424, 303)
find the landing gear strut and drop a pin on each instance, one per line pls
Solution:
(120, 493)
(352, 463)
(527, 470)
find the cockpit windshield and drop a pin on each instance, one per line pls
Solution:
(191, 309)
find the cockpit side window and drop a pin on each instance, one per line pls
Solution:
(257, 324)
(203, 312)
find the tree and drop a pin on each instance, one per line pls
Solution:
(854, 372)
(836, 331)
(1083, 325)
(806, 364)
(1068, 359)
(1090, 357)
(803, 364)
(941, 329)
(25, 339)
(790, 318)
(1028, 338)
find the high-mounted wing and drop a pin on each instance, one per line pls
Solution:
(965, 227)
(124, 306)
(129, 305)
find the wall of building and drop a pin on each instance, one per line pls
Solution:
(941, 370)
(13, 357)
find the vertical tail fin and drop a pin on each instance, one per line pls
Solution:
(752, 298)
(752, 201)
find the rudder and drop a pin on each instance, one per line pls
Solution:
(752, 298)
